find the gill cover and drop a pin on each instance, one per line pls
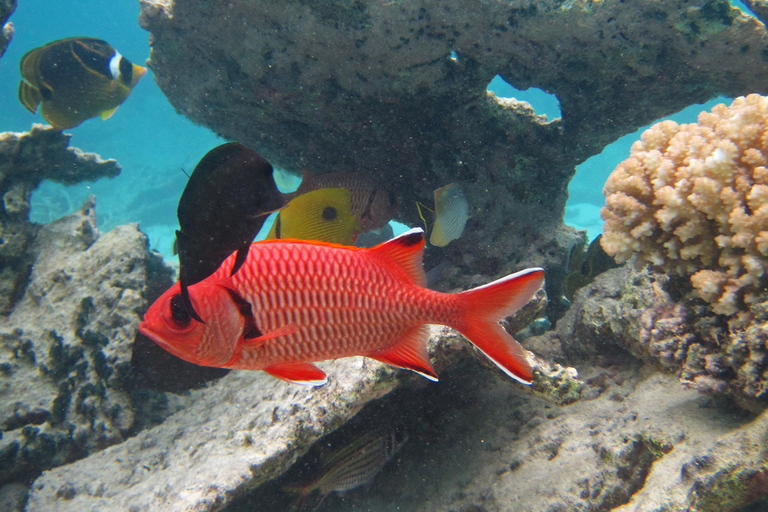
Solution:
(169, 324)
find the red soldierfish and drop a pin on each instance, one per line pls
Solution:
(294, 302)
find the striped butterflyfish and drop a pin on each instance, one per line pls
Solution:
(451, 212)
(75, 79)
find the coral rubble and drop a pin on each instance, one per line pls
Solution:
(65, 348)
(693, 201)
(374, 87)
(26, 159)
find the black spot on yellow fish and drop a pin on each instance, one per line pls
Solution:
(126, 71)
(330, 213)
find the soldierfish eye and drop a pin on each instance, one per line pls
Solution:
(179, 313)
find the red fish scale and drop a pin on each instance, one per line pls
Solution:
(344, 303)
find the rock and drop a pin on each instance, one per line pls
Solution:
(478, 444)
(242, 431)
(374, 87)
(759, 7)
(6, 29)
(65, 349)
(26, 159)
(13, 497)
(657, 319)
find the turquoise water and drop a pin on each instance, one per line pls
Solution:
(146, 136)
(153, 143)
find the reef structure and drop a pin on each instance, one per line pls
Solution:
(26, 159)
(397, 90)
(692, 200)
(6, 29)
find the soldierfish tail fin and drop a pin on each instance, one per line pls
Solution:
(486, 305)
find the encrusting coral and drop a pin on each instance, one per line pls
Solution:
(692, 200)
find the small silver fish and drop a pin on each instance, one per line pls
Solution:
(350, 466)
(451, 213)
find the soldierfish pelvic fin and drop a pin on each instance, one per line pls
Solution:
(486, 305)
(300, 373)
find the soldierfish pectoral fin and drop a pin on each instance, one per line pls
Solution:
(29, 96)
(410, 353)
(300, 373)
(108, 113)
(280, 331)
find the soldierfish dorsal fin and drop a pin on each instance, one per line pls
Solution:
(405, 252)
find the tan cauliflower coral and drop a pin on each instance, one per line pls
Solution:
(692, 199)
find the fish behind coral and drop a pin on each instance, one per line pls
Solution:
(352, 465)
(372, 204)
(296, 302)
(75, 79)
(451, 213)
(323, 215)
(222, 208)
(584, 267)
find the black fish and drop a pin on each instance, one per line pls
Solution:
(226, 201)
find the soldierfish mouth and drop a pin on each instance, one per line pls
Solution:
(146, 331)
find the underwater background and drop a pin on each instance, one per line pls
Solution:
(667, 405)
(153, 143)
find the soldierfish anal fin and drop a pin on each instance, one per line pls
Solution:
(300, 373)
(410, 353)
(108, 113)
(242, 254)
(406, 252)
(187, 303)
(29, 96)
